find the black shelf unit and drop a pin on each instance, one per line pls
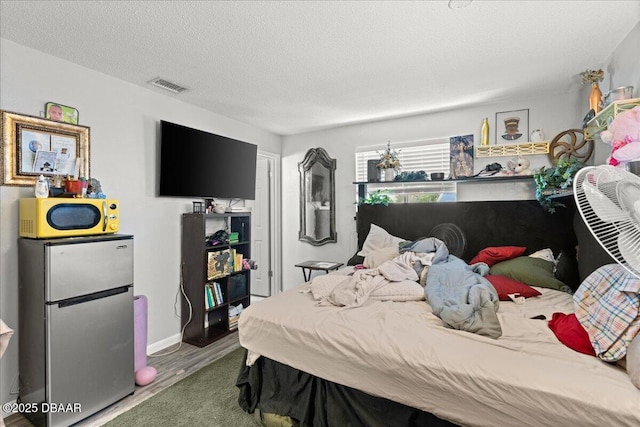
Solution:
(207, 325)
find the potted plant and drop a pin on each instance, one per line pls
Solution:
(378, 197)
(554, 181)
(389, 163)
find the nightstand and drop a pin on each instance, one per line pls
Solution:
(326, 266)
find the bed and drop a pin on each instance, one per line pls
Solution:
(394, 362)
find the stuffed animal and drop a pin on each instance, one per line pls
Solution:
(94, 190)
(519, 166)
(623, 134)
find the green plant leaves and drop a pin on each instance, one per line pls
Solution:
(378, 197)
(558, 177)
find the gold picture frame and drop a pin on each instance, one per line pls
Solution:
(25, 139)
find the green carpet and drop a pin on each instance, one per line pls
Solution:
(208, 397)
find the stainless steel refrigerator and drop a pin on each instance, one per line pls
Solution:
(76, 344)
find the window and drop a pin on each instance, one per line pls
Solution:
(429, 156)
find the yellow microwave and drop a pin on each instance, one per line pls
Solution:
(67, 217)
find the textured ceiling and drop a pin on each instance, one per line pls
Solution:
(296, 66)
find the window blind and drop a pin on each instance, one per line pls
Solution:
(429, 156)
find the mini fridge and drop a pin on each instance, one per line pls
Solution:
(76, 347)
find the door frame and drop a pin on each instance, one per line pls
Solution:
(275, 220)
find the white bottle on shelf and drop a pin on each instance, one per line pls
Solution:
(42, 187)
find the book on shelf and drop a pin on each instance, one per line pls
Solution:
(238, 261)
(208, 293)
(214, 293)
(218, 293)
(233, 323)
(218, 264)
(234, 315)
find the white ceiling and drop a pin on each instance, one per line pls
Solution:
(296, 66)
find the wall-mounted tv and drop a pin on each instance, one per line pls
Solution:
(194, 163)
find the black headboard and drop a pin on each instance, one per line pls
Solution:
(483, 223)
(496, 223)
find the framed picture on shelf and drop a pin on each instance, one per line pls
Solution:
(461, 156)
(218, 264)
(512, 126)
(25, 139)
(61, 113)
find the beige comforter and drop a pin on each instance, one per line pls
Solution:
(402, 352)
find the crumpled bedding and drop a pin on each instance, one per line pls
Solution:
(355, 290)
(461, 297)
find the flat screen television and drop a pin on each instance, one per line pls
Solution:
(194, 163)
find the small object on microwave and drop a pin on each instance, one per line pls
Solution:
(94, 186)
(94, 190)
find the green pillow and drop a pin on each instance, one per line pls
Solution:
(532, 271)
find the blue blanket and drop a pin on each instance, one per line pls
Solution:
(457, 292)
(462, 298)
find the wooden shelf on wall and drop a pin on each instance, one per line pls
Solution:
(363, 185)
(604, 118)
(522, 149)
(444, 181)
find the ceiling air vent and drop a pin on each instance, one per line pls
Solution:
(164, 84)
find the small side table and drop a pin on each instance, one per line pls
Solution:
(326, 266)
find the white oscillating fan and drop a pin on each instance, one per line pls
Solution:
(608, 200)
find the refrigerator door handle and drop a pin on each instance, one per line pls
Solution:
(91, 297)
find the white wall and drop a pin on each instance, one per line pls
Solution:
(552, 112)
(124, 121)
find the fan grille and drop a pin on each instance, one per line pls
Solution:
(608, 200)
(452, 236)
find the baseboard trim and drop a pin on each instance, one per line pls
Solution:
(163, 344)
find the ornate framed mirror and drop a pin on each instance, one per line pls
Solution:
(317, 198)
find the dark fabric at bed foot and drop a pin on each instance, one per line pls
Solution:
(279, 389)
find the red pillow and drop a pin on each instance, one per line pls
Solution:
(571, 333)
(492, 255)
(505, 286)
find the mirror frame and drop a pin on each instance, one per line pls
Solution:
(317, 156)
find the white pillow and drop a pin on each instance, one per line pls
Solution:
(545, 254)
(378, 238)
(379, 256)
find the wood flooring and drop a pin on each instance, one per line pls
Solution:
(171, 369)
